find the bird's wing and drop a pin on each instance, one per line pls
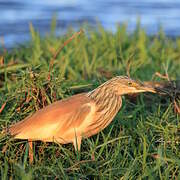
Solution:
(60, 115)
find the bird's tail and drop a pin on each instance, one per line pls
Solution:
(4, 132)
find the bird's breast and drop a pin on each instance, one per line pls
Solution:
(103, 115)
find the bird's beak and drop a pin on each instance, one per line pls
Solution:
(148, 89)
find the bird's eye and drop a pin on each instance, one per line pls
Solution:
(130, 83)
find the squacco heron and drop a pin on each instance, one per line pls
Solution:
(79, 116)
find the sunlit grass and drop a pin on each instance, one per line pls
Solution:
(142, 141)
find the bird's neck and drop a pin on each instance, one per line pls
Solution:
(107, 103)
(106, 98)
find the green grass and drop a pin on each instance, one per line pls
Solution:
(142, 142)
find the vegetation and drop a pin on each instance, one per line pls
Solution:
(143, 140)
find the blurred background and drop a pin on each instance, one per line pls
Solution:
(15, 16)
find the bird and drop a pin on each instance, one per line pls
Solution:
(79, 116)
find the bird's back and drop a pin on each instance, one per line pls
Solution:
(54, 119)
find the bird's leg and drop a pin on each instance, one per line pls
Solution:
(77, 146)
(77, 143)
(30, 151)
(93, 156)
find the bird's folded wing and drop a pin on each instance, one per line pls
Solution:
(56, 117)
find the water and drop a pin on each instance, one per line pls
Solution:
(15, 16)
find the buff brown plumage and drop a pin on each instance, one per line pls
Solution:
(79, 116)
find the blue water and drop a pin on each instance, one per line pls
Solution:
(15, 16)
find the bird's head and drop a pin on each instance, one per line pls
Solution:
(124, 85)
